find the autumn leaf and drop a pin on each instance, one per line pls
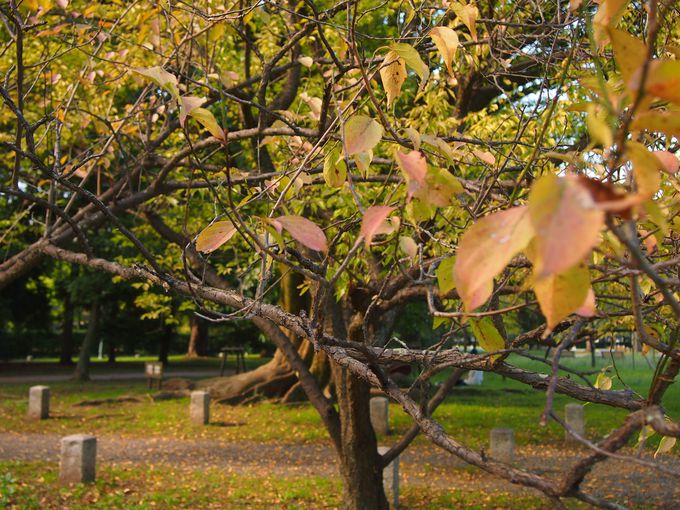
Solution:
(665, 445)
(440, 188)
(414, 166)
(468, 14)
(561, 294)
(589, 307)
(629, 53)
(663, 80)
(486, 248)
(446, 41)
(408, 246)
(189, 104)
(362, 133)
(334, 169)
(373, 221)
(160, 77)
(646, 169)
(214, 236)
(208, 121)
(669, 161)
(412, 59)
(603, 382)
(393, 75)
(665, 122)
(567, 223)
(487, 335)
(304, 231)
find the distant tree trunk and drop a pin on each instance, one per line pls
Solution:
(112, 317)
(166, 340)
(198, 338)
(66, 354)
(82, 372)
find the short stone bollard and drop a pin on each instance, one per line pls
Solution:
(39, 402)
(503, 445)
(391, 478)
(199, 409)
(380, 417)
(78, 459)
(574, 417)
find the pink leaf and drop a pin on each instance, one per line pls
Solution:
(669, 161)
(304, 231)
(189, 103)
(373, 221)
(588, 308)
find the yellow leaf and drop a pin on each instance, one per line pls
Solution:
(485, 249)
(446, 41)
(408, 246)
(393, 75)
(598, 128)
(208, 121)
(561, 294)
(162, 78)
(665, 122)
(665, 445)
(603, 382)
(468, 14)
(567, 223)
(646, 168)
(629, 52)
(412, 59)
(362, 133)
(334, 169)
(487, 335)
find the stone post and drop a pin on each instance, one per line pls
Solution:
(39, 402)
(391, 478)
(380, 419)
(78, 459)
(503, 445)
(574, 416)
(200, 407)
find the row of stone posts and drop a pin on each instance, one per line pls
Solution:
(78, 455)
(501, 440)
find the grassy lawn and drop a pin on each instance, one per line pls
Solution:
(468, 413)
(33, 486)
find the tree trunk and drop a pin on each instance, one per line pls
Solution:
(360, 463)
(82, 372)
(66, 354)
(198, 338)
(166, 340)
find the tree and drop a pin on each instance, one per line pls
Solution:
(486, 160)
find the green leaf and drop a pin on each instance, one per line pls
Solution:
(208, 121)
(445, 278)
(487, 335)
(334, 169)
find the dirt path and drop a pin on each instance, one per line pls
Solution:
(424, 466)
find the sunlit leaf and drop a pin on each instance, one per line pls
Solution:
(189, 104)
(161, 77)
(566, 220)
(468, 14)
(446, 41)
(305, 231)
(373, 221)
(486, 248)
(561, 294)
(646, 168)
(214, 236)
(362, 133)
(629, 52)
(208, 121)
(413, 60)
(603, 382)
(393, 75)
(669, 161)
(664, 122)
(408, 246)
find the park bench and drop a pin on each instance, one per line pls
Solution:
(240, 354)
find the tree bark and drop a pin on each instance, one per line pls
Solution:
(360, 463)
(166, 340)
(198, 338)
(82, 372)
(66, 352)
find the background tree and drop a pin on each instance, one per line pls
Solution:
(490, 161)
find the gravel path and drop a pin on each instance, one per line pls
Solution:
(424, 466)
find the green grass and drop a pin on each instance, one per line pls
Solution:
(35, 487)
